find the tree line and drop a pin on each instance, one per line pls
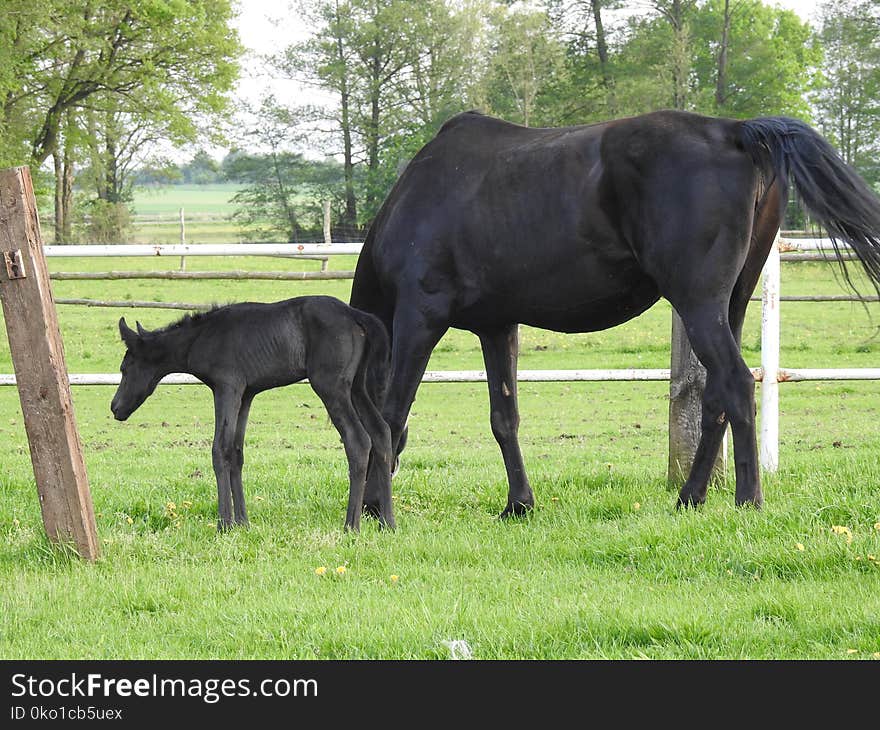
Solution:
(394, 71)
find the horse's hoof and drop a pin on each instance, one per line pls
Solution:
(387, 523)
(223, 526)
(516, 509)
(350, 527)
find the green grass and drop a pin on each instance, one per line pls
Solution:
(605, 567)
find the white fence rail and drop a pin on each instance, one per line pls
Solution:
(770, 374)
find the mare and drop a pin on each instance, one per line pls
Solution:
(242, 349)
(579, 229)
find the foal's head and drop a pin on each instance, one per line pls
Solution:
(141, 368)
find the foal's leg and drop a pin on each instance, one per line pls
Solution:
(227, 402)
(334, 390)
(729, 395)
(500, 351)
(238, 501)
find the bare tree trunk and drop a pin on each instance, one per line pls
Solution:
(67, 194)
(602, 51)
(59, 182)
(349, 218)
(721, 78)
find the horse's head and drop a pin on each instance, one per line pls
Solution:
(141, 371)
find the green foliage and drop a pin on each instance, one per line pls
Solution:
(282, 194)
(771, 62)
(526, 65)
(100, 221)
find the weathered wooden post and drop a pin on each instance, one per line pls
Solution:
(687, 381)
(40, 370)
(182, 239)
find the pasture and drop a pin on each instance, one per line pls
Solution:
(605, 567)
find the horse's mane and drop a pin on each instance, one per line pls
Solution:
(187, 320)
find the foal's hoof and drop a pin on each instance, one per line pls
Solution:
(516, 509)
(371, 509)
(689, 501)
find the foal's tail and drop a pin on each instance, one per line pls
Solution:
(838, 199)
(376, 365)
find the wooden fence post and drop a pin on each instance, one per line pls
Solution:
(40, 370)
(182, 239)
(687, 380)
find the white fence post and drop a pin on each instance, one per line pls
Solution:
(770, 336)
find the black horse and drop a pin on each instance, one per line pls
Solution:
(243, 349)
(579, 229)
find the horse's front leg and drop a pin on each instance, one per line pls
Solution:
(414, 339)
(500, 352)
(226, 406)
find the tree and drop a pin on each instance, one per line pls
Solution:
(394, 67)
(283, 191)
(81, 66)
(751, 59)
(527, 60)
(848, 103)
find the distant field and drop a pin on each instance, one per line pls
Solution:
(207, 214)
(198, 201)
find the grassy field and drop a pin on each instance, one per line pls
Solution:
(207, 214)
(605, 567)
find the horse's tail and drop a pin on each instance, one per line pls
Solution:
(375, 368)
(837, 198)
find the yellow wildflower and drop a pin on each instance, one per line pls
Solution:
(129, 520)
(637, 505)
(341, 570)
(320, 570)
(843, 530)
(395, 578)
(800, 546)
(877, 525)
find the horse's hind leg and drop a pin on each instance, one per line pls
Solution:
(729, 395)
(766, 225)
(334, 390)
(500, 351)
(227, 402)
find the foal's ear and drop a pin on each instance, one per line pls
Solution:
(129, 336)
(141, 331)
